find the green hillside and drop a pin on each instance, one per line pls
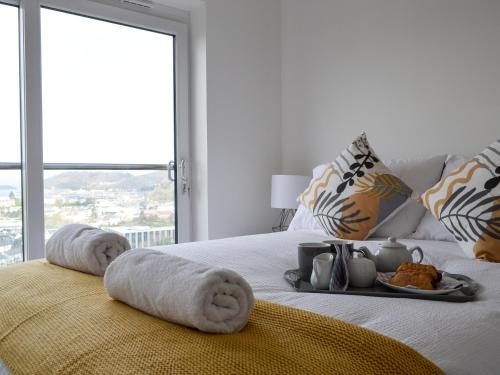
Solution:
(114, 180)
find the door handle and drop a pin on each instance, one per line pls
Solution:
(172, 174)
(184, 179)
(171, 170)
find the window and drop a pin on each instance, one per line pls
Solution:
(106, 86)
(109, 123)
(11, 226)
(108, 103)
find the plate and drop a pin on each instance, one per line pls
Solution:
(447, 285)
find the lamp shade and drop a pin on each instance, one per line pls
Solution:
(286, 188)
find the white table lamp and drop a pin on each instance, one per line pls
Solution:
(284, 192)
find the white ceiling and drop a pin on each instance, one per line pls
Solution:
(181, 4)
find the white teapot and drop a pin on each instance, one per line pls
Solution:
(391, 254)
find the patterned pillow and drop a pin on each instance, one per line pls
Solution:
(467, 203)
(355, 194)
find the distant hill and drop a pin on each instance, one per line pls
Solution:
(7, 187)
(107, 180)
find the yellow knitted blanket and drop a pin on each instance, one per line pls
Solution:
(58, 321)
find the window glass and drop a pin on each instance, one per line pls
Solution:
(11, 226)
(108, 92)
(108, 98)
(10, 147)
(127, 202)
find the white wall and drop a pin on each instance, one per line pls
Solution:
(420, 76)
(243, 117)
(289, 83)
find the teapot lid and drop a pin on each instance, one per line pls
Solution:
(392, 242)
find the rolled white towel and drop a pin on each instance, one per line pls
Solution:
(84, 248)
(181, 291)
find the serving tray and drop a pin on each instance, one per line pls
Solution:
(465, 294)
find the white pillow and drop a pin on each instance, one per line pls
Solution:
(419, 174)
(303, 219)
(430, 228)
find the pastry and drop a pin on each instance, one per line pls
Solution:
(420, 280)
(416, 267)
(419, 275)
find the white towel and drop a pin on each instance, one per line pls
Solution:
(181, 291)
(84, 248)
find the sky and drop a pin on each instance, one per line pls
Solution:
(9, 85)
(107, 91)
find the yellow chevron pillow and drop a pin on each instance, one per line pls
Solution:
(356, 194)
(467, 203)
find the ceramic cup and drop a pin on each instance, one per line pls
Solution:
(306, 253)
(362, 272)
(322, 270)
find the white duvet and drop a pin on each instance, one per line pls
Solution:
(461, 338)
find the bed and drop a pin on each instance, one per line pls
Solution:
(461, 338)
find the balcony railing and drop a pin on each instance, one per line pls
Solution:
(91, 166)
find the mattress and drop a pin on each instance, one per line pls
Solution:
(461, 338)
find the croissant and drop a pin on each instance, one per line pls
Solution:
(420, 268)
(421, 276)
(420, 280)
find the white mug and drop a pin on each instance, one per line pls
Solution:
(322, 270)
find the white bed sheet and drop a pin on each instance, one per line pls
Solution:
(461, 338)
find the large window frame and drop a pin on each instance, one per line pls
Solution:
(32, 166)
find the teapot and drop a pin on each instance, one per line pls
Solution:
(391, 254)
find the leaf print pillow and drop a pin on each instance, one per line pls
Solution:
(467, 203)
(356, 194)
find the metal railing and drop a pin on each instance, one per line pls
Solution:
(92, 166)
(7, 166)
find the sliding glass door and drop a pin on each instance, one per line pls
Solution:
(101, 134)
(109, 127)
